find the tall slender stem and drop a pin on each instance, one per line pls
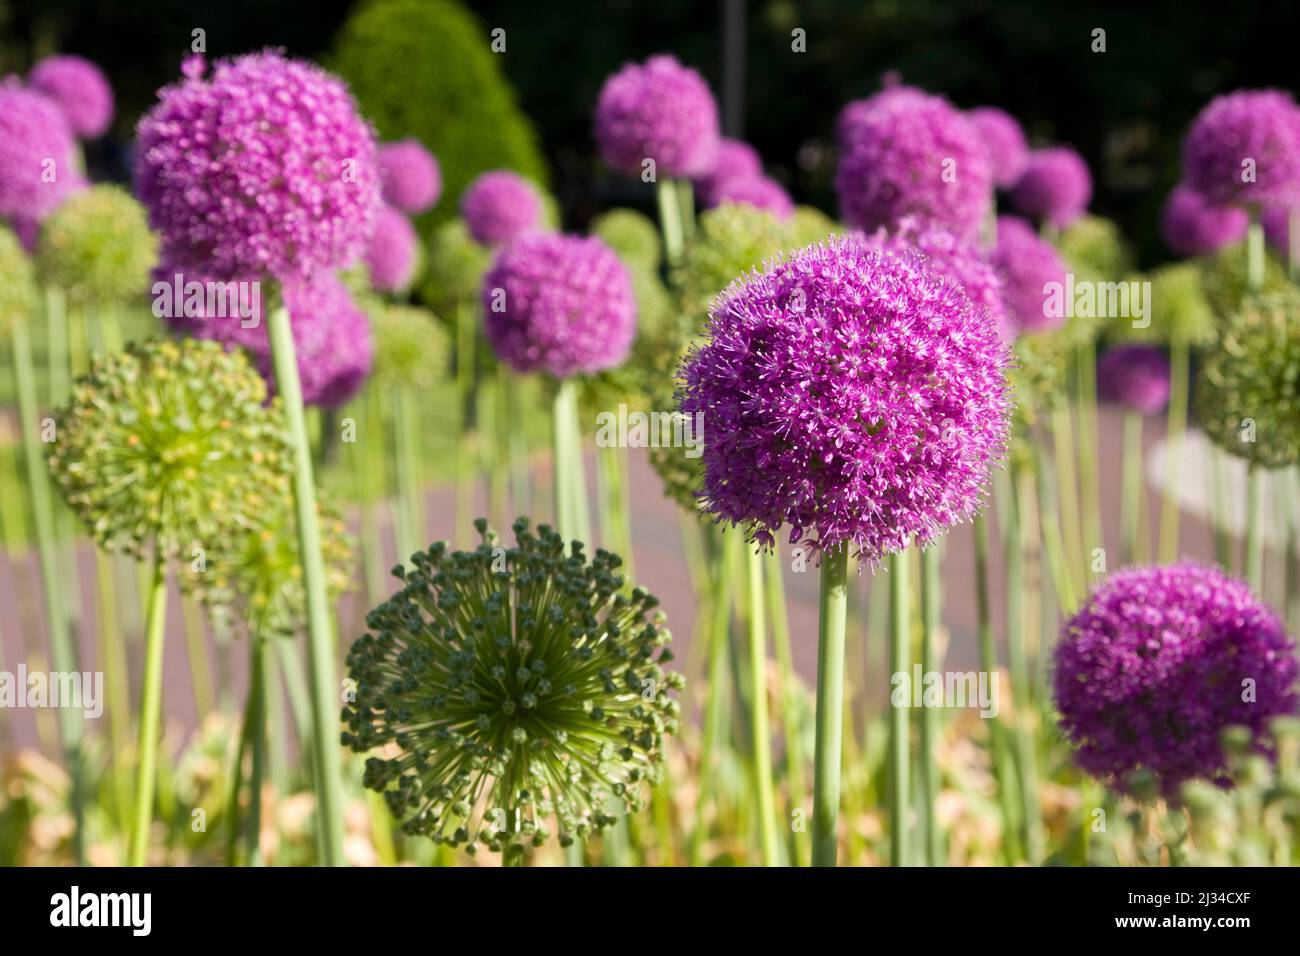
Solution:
(1130, 507)
(1018, 664)
(150, 711)
(410, 531)
(760, 728)
(831, 625)
(931, 660)
(795, 761)
(465, 340)
(1068, 499)
(1179, 362)
(670, 220)
(329, 786)
(1254, 539)
(900, 662)
(722, 556)
(1089, 482)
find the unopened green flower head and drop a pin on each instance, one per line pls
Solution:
(1180, 311)
(632, 235)
(809, 225)
(1039, 374)
(1094, 249)
(730, 241)
(412, 348)
(17, 282)
(454, 272)
(514, 693)
(1223, 276)
(169, 442)
(97, 246)
(1249, 389)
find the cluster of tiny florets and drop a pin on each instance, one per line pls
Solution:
(80, 90)
(1055, 186)
(500, 206)
(1191, 227)
(412, 348)
(1027, 263)
(393, 254)
(733, 159)
(1244, 147)
(409, 176)
(37, 154)
(1005, 142)
(98, 248)
(760, 192)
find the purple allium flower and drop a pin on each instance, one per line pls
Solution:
(1256, 131)
(1005, 141)
(854, 112)
(1151, 671)
(392, 255)
(559, 304)
(658, 110)
(1055, 186)
(500, 205)
(266, 168)
(849, 393)
(1027, 263)
(1276, 221)
(1136, 376)
(757, 191)
(80, 89)
(411, 178)
(733, 159)
(1190, 227)
(959, 261)
(912, 154)
(35, 145)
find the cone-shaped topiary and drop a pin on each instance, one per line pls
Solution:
(97, 247)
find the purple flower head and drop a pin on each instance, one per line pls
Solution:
(1190, 227)
(81, 91)
(1150, 672)
(757, 191)
(410, 177)
(657, 110)
(392, 255)
(1136, 376)
(849, 393)
(1055, 186)
(733, 159)
(854, 112)
(912, 154)
(959, 261)
(1005, 141)
(264, 169)
(1244, 147)
(559, 304)
(1027, 264)
(500, 205)
(36, 145)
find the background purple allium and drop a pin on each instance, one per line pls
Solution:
(1005, 141)
(658, 110)
(1277, 225)
(1149, 672)
(266, 168)
(851, 394)
(757, 191)
(894, 157)
(733, 159)
(33, 131)
(1026, 264)
(79, 88)
(1192, 228)
(500, 205)
(410, 176)
(1261, 125)
(1136, 376)
(392, 255)
(559, 304)
(1055, 186)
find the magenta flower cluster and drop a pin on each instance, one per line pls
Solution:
(500, 206)
(906, 153)
(657, 110)
(264, 169)
(392, 255)
(1244, 147)
(409, 176)
(733, 159)
(851, 394)
(757, 191)
(1055, 186)
(559, 304)
(1005, 142)
(79, 88)
(1026, 264)
(37, 165)
(1191, 227)
(1136, 376)
(1159, 662)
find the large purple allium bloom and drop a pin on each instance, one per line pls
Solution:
(658, 110)
(266, 168)
(35, 145)
(1136, 376)
(733, 159)
(912, 154)
(559, 304)
(1027, 263)
(410, 176)
(1005, 141)
(1259, 126)
(499, 206)
(757, 191)
(1154, 667)
(1190, 227)
(1055, 186)
(852, 394)
(392, 255)
(79, 88)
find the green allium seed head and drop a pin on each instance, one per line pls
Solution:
(730, 241)
(1223, 277)
(1094, 249)
(632, 235)
(169, 442)
(809, 225)
(516, 692)
(412, 348)
(1039, 375)
(98, 247)
(1247, 397)
(1180, 311)
(17, 282)
(454, 270)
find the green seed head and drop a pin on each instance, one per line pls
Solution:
(632, 235)
(17, 282)
(412, 348)
(1180, 311)
(98, 247)
(1223, 278)
(454, 271)
(809, 225)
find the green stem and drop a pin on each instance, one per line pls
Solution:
(258, 652)
(1130, 507)
(795, 760)
(670, 220)
(900, 662)
(1254, 539)
(831, 625)
(723, 559)
(465, 390)
(570, 483)
(760, 729)
(1179, 362)
(1068, 499)
(1018, 664)
(196, 649)
(1223, 551)
(150, 711)
(686, 203)
(410, 531)
(329, 788)
(931, 662)
(1254, 252)
(1088, 480)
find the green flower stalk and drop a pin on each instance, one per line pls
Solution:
(518, 693)
(97, 247)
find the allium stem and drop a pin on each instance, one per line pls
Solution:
(465, 359)
(760, 728)
(1089, 487)
(900, 662)
(1254, 252)
(795, 759)
(150, 711)
(1068, 499)
(410, 531)
(1053, 543)
(670, 220)
(831, 624)
(325, 734)
(1130, 508)
(1223, 550)
(931, 662)
(686, 202)
(1179, 367)
(1254, 540)
(571, 519)
(722, 556)
(1025, 712)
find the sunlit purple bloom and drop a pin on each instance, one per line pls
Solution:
(1244, 147)
(79, 88)
(1027, 263)
(410, 176)
(1136, 376)
(1055, 186)
(733, 159)
(1192, 228)
(757, 191)
(392, 255)
(1005, 141)
(37, 165)
(500, 205)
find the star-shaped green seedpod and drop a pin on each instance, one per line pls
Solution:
(97, 247)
